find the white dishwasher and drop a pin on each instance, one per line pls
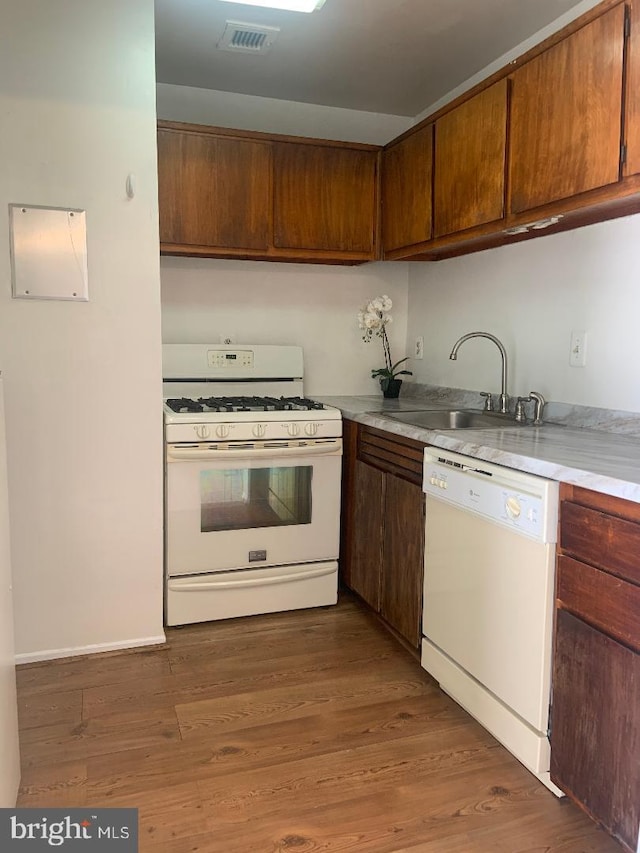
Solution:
(488, 597)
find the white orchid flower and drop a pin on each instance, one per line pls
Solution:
(373, 319)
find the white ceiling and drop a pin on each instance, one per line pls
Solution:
(386, 56)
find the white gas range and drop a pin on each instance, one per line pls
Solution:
(252, 484)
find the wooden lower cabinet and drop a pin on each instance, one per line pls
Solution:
(383, 527)
(595, 734)
(595, 715)
(368, 517)
(403, 556)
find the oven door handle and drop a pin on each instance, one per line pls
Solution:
(236, 583)
(189, 454)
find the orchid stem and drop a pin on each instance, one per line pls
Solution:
(385, 347)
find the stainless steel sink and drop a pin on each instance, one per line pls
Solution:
(453, 419)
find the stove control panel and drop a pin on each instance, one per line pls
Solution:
(230, 358)
(237, 429)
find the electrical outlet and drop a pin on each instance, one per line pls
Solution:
(228, 338)
(418, 348)
(578, 349)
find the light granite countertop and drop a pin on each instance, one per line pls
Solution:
(603, 461)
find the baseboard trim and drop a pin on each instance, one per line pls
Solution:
(96, 648)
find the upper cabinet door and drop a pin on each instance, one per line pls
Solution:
(325, 198)
(214, 190)
(407, 174)
(470, 161)
(565, 116)
(632, 164)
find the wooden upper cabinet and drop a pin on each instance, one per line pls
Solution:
(407, 174)
(213, 191)
(566, 115)
(226, 193)
(632, 116)
(325, 198)
(470, 162)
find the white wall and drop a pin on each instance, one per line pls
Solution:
(250, 112)
(313, 306)
(532, 295)
(9, 750)
(77, 102)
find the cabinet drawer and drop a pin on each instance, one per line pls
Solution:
(611, 543)
(606, 602)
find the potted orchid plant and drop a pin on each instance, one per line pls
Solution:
(373, 320)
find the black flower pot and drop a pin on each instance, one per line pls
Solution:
(391, 388)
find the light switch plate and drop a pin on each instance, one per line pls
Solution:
(578, 349)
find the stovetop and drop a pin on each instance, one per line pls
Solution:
(241, 419)
(257, 404)
(234, 393)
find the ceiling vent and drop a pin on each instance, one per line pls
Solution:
(247, 38)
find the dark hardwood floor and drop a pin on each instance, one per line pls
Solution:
(304, 732)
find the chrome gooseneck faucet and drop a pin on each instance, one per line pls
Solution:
(504, 400)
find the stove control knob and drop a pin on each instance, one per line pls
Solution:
(222, 430)
(202, 431)
(293, 429)
(259, 430)
(311, 429)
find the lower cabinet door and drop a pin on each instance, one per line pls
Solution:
(368, 525)
(403, 549)
(595, 725)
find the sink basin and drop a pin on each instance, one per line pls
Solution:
(453, 419)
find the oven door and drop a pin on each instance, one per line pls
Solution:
(251, 504)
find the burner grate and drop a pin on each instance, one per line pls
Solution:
(258, 404)
(243, 404)
(184, 404)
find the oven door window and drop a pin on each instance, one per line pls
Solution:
(246, 498)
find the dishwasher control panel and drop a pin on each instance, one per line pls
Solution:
(522, 502)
